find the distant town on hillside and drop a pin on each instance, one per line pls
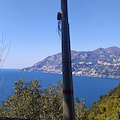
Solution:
(101, 62)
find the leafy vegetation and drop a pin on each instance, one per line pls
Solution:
(31, 101)
(107, 107)
(81, 111)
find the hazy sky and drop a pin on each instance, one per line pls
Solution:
(31, 27)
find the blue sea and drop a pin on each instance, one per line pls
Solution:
(87, 88)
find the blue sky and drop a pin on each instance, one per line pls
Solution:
(31, 27)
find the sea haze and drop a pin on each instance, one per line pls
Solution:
(88, 88)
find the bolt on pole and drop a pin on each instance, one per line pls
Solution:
(68, 99)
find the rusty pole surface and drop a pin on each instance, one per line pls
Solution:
(68, 99)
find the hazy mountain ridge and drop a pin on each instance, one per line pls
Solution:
(98, 63)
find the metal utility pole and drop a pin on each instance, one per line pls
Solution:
(68, 99)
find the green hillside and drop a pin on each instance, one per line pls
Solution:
(107, 107)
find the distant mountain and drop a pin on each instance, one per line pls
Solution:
(98, 63)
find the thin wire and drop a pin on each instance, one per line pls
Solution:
(59, 28)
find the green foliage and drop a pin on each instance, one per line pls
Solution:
(25, 102)
(52, 103)
(81, 111)
(107, 107)
(110, 110)
(29, 101)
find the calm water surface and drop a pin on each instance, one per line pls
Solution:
(88, 88)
